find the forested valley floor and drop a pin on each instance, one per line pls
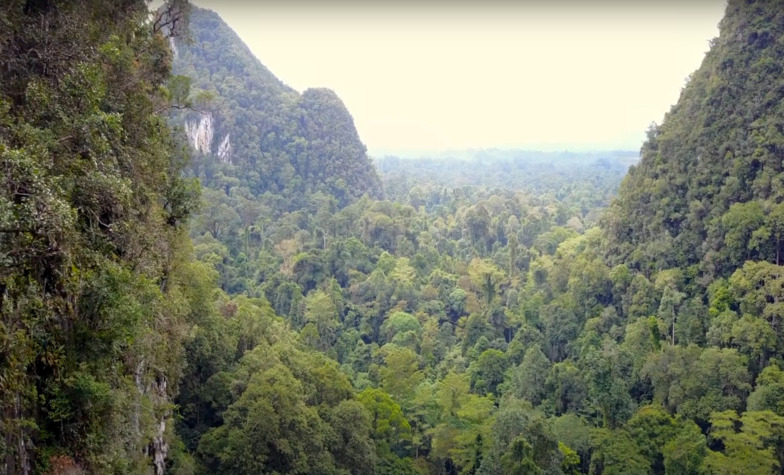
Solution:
(202, 271)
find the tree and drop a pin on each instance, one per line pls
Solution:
(487, 279)
(565, 389)
(652, 428)
(398, 323)
(617, 453)
(391, 430)
(696, 382)
(739, 223)
(769, 391)
(527, 380)
(518, 461)
(722, 383)
(290, 439)
(643, 337)
(321, 311)
(217, 216)
(458, 426)
(608, 372)
(488, 372)
(517, 423)
(757, 286)
(561, 328)
(353, 447)
(400, 374)
(590, 284)
(451, 393)
(640, 299)
(775, 221)
(748, 450)
(477, 328)
(575, 433)
(571, 460)
(669, 305)
(685, 452)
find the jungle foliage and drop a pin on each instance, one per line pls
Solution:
(203, 272)
(94, 302)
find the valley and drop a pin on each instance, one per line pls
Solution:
(204, 271)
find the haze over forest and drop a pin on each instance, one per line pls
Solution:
(203, 269)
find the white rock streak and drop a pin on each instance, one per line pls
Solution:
(224, 150)
(200, 133)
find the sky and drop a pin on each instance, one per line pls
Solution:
(424, 76)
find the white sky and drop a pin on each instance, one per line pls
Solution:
(546, 75)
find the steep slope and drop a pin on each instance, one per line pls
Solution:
(93, 298)
(271, 137)
(710, 178)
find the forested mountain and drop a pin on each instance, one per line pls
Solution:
(247, 125)
(481, 319)
(707, 193)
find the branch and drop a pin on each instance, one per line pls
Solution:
(168, 19)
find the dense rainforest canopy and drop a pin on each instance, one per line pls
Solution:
(202, 271)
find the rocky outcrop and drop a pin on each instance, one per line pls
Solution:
(200, 133)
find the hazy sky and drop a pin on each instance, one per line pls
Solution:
(548, 75)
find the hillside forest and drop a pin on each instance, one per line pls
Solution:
(203, 271)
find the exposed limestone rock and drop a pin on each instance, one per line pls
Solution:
(158, 448)
(224, 150)
(173, 46)
(200, 133)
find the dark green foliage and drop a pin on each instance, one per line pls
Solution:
(617, 453)
(710, 173)
(522, 442)
(92, 243)
(769, 391)
(527, 381)
(488, 371)
(474, 323)
(295, 414)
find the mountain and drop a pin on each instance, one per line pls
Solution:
(262, 132)
(707, 191)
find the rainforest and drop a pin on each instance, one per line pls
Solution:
(203, 271)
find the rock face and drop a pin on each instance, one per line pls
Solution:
(173, 46)
(155, 390)
(200, 133)
(224, 149)
(265, 128)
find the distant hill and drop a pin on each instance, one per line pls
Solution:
(589, 178)
(505, 168)
(260, 131)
